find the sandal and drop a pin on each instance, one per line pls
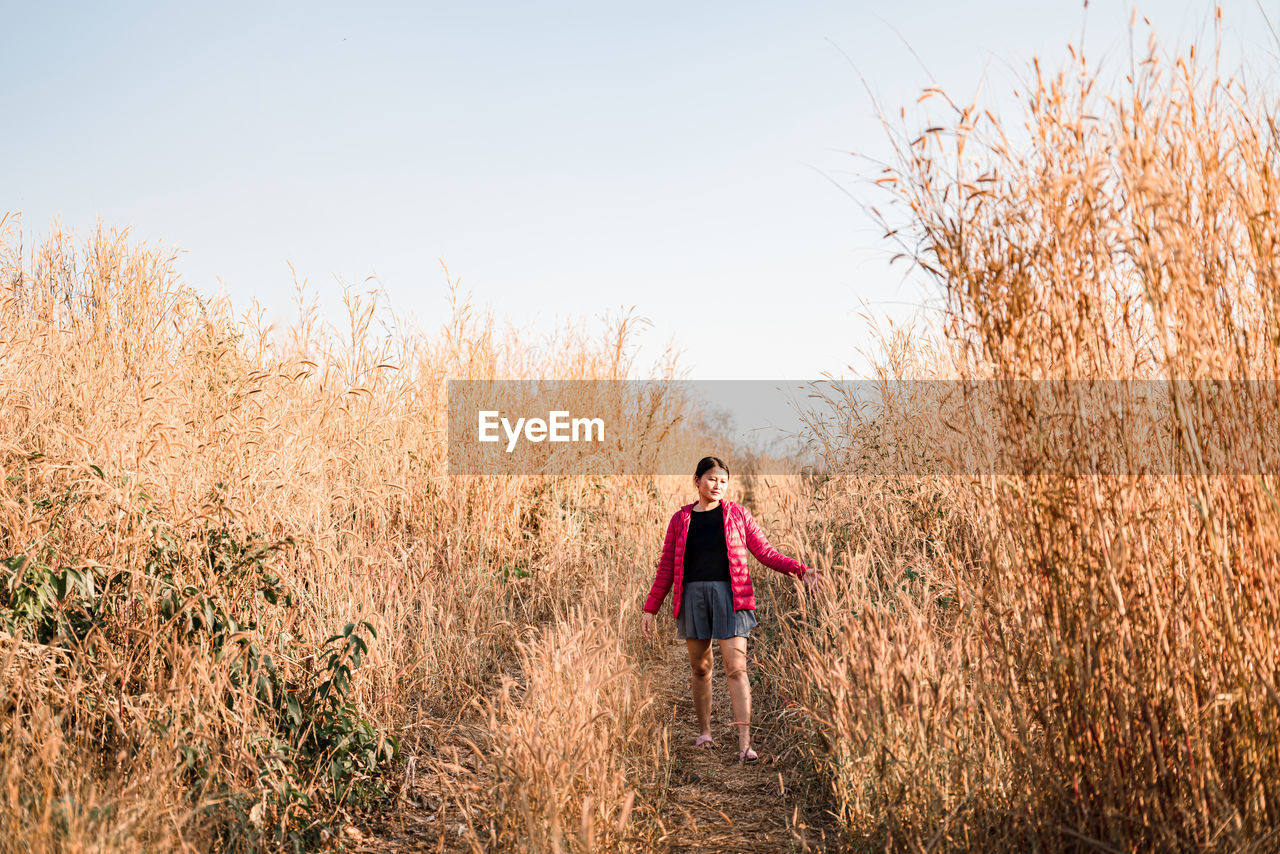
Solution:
(747, 756)
(704, 741)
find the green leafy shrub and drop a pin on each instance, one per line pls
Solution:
(212, 596)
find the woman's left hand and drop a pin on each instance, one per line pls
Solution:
(812, 576)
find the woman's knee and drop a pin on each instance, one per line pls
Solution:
(699, 658)
(735, 660)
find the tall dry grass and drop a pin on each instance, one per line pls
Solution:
(1069, 660)
(561, 780)
(242, 590)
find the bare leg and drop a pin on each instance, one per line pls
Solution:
(700, 664)
(734, 653)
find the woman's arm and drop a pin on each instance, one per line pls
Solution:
(666, 570)
(767, 554)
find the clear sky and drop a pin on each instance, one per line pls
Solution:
(563, 159)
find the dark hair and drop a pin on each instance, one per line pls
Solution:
(706, 464)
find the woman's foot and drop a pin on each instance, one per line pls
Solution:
(746, 756)
(704, 740)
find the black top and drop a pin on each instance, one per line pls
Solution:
(706, 555)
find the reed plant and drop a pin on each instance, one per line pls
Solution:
(1078, 650)
(243, 591)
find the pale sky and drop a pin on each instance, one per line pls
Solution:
(563, 159)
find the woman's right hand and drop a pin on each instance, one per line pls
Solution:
(646, 625)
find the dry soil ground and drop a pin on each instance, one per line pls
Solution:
(709, 804)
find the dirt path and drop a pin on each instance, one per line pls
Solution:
(710, 803)
(715, 804)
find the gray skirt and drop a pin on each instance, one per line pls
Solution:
(706, 611)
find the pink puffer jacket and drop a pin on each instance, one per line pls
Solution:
(740, 534)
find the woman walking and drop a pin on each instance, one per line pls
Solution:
(705, 555)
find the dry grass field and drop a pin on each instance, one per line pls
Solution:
(1086, 658)
(246, 606)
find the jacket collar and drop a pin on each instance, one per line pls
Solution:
(724, 502)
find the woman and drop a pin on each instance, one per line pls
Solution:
(705, 553)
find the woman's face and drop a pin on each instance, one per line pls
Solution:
(712, 484)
